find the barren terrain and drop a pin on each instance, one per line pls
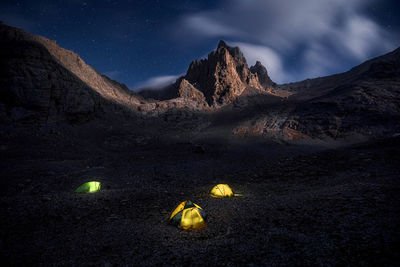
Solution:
(301, 205)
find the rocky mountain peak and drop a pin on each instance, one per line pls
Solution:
(262, 74)
(222, 44)
(219, 79)
(234, 52)
(223, 76)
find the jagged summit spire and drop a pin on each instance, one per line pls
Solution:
(222, 44)
(262, 73)
(234, 51)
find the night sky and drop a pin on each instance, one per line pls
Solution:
(148, 43)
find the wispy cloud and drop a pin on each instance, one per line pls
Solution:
(321, 34)
(266, 55)
(156, 82)
(206, 24)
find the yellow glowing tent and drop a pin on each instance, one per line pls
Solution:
(89, 187)
(188, 216)
(221, 190)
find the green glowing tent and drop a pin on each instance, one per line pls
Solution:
(89, 187)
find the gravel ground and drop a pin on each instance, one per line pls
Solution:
(301, 205)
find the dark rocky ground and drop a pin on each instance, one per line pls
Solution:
(302, 205)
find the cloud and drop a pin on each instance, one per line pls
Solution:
(361, 35)
(209, 26)
(157, 82)
(267, 56)
(317, 61)
(330, 34)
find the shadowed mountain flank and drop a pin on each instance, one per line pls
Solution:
(364, 101)
(38, 76)
(385, 68)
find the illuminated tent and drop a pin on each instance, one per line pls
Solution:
(221, 190)
(89, 187)
(188, 216)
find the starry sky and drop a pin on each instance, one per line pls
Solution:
(149, 43)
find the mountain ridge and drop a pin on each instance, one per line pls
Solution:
(41, 81)
(344, 77)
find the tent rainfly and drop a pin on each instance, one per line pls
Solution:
(89, 187)
(188, 216)
(221, 190)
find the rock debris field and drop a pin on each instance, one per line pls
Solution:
(300, 206)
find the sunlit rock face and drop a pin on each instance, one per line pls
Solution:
(223, 76)
(217, 80)
(187, 90)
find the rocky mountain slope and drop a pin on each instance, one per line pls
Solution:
(385, 68)
(39, 80)
(364, 101)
